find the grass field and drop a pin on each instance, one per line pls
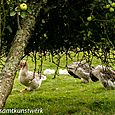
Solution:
(63, 95)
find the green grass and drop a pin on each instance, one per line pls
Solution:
(64, 95)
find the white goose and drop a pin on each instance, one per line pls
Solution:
(28, 78)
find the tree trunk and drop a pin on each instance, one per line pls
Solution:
(16, 52)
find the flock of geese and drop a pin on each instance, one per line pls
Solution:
(85, 72)
(80, 70)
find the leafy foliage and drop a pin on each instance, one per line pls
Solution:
(63, 26)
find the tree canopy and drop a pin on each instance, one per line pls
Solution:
(63, 25)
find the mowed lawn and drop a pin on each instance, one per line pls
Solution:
(63, 95)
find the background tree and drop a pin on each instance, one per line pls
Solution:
(57, 26)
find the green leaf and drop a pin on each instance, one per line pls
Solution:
(23, 14)
(12, 13)
(29, 10)
(8, 1)
(17, 9)
(109, 1)
(9, 28)
(43, 21)
(89, 33)
(20, 0)
(24, 1)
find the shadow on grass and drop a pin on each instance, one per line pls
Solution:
(102, 105)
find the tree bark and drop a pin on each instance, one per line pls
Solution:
(16, 52)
